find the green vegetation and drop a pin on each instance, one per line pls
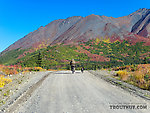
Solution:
(10, 57)
(94, 54)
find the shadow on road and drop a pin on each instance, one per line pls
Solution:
(77, 72)
(67, 73)
(63, 73)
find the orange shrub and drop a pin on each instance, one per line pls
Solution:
(1, 75)
(39, 68)
(9, 71)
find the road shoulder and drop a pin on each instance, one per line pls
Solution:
(24, 90)
(107, 76)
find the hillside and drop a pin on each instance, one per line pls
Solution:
(134, 28)
(91, 54)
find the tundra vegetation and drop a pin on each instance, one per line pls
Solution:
(94, 54)
(138, 75)
(7, 71)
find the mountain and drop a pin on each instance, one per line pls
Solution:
(142, 27)
(134, 28)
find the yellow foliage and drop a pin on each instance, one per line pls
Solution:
(107, 40)
(123, 75)
(127, 44)
(97, 41)
(78, 47)
(139, 76)
(35, 49)
(117, 41)
(40, 68)
(4, 81)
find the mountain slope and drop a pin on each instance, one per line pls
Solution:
(134, 27)
(88, 54)
(45, 34)
(142, 27)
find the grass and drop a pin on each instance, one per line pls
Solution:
(147, 96)
(120, 83)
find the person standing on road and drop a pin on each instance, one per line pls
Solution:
(82, 69)
(72, 64)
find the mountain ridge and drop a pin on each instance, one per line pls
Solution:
(77, 28)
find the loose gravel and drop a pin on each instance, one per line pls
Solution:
(19, 85)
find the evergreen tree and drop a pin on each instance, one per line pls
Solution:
(39, 59)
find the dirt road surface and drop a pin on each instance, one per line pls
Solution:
(63, 92)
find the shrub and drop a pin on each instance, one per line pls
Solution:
(147, 77)
(133, 68)
(138, 76)
(123, 75)
(9, 71)
(139, 79)
(4, 81)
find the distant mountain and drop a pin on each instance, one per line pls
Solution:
(134, 28)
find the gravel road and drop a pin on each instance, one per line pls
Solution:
(63, 92)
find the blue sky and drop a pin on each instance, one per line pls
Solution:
(19, 17)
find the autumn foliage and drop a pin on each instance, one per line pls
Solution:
(6, 71)
(123, 75)
(4, 81)
(138, 75)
